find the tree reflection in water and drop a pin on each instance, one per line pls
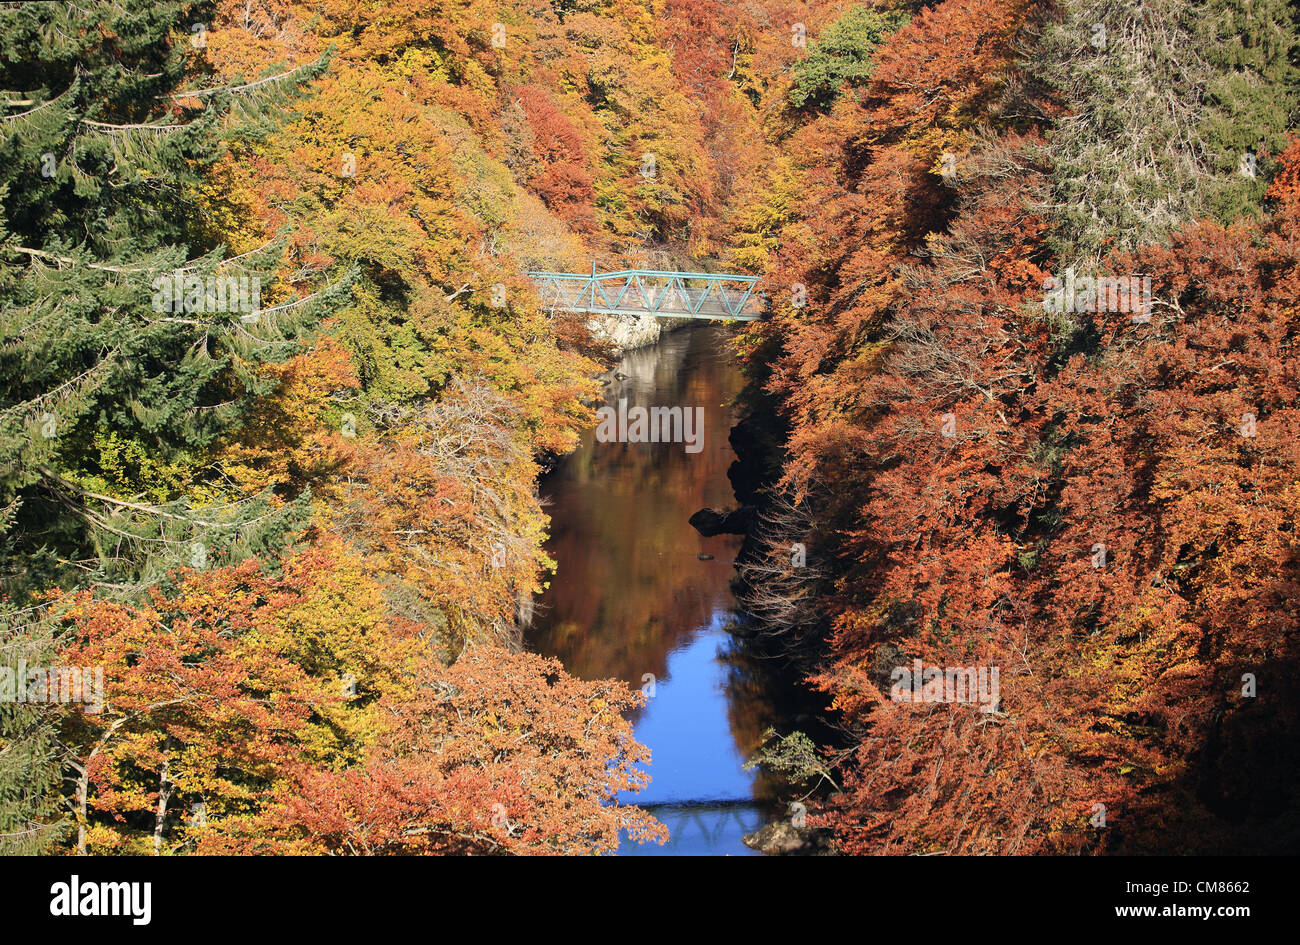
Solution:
(632, 597)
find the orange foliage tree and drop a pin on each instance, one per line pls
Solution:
(1099, 506)
(501, 753)
(246, 712)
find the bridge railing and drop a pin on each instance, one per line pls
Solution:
(652, 292)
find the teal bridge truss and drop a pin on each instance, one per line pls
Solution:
(639, 292)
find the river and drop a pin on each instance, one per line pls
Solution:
(633, 598)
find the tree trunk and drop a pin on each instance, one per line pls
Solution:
(164, 795)
(83, 791)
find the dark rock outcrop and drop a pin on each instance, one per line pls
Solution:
(710, 522)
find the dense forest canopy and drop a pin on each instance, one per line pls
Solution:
(276, 392)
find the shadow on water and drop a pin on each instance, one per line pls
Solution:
(632, 599)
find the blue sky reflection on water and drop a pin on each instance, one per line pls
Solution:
(696, 770)
(637, 590)
(695, 755)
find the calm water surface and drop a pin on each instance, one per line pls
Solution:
(631, 597)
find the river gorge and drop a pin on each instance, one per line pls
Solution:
(640, 595)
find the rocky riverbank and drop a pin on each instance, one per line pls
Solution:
(784, 838)
(628, 332)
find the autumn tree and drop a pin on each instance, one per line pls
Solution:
(1062, 494)
(502, 753)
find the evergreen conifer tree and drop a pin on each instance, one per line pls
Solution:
(1250, 44)
(128, 343)
(1165, 111)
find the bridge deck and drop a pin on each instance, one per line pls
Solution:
(652, 292)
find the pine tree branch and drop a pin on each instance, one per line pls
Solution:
(42, 254)
(59, 481)
(237, 89)
(28, 101)
(59, 391)
(68, 260)
(116, 129)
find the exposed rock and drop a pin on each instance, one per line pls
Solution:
(710, 522)
(783, 838)
(707, 522)
(626, 332)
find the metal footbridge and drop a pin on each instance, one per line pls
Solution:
(638, 292)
